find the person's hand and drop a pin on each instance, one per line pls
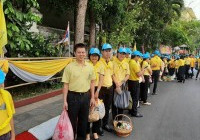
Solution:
(92, 102)
(143, 80)
(117, 84)
(65, 106)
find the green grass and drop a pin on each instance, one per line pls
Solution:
(28, 91)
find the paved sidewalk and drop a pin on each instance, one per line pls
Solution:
(34, 114)
(173, 115)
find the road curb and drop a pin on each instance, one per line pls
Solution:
(37, 98)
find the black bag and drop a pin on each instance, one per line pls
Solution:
(122, 100)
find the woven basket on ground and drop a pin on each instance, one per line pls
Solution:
(124, 126)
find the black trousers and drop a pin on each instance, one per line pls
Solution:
(95, 125)
(155, 78)
(106, 95)
(197, 73)
(192, 69)
(181, 73)
(187, 67)
(171, 71)
(115, 110)
(6, 136)
(144, 88)
(78, 111)
(133, 87)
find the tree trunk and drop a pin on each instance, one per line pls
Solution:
(80, 21)
(100, 38)
(92, 28)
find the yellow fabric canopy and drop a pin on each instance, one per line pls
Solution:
(44, 67)
(4, 65)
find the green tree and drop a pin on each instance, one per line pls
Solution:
(19, 18)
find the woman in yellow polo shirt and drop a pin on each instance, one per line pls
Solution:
(7, 111)
(181, 70)
(133, 83)
(171, 66)
(121, 75)
(106, 92)
(147, 73)
(156, 66)
(94, 57)
(187, 66)
(192, 64)
(198, 66)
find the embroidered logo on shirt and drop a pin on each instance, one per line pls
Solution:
(3, 106)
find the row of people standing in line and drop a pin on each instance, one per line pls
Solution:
(183, 66)
(85, 82)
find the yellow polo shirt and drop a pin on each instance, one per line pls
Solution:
(128, 60)
(144, 65)
(198, 60)
(187, 61)
(99, 70)
(192, 62)
(134, 69)
(172, 63)
(108, 72)
(140, 60)
(4, 114)
(121, 69)
(165, 63)
(79, 77)
(176, 64)
(156, 63)
(181, 62)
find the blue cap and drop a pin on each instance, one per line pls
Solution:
(122, 50)
(94, 51)
(136, 53)
(146, 56)
(141, 55)
(2, 77)
(156, 52)
(128, 50)
(106, 46)
(148, 53)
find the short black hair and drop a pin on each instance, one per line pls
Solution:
(79, 45)
(92, 54)
(133, 56)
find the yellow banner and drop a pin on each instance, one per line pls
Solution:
(4, 65)
(3, 32)
(44, 67)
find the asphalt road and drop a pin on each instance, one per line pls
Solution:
(173, 115)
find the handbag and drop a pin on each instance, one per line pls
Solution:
(122, 100)
(93, 115)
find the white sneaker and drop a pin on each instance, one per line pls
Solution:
(147, 103)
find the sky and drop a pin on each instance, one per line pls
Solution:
(195, 5)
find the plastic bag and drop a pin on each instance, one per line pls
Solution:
(100, 108)
(190, 71)
(64, 130)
